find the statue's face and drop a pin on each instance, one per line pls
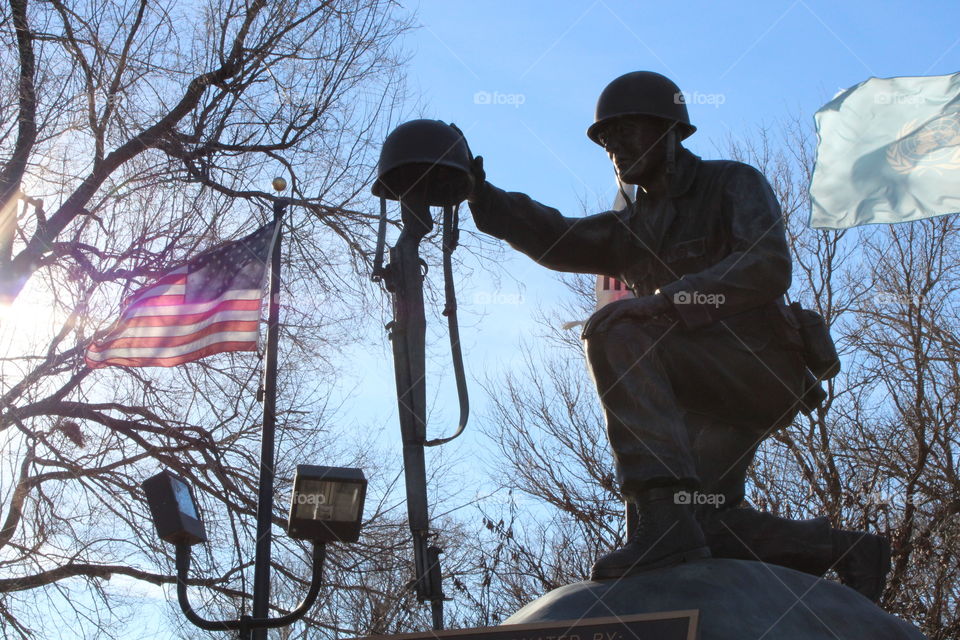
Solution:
(637, 145)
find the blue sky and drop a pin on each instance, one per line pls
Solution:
(743, 63)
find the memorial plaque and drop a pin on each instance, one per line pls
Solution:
(669, 625)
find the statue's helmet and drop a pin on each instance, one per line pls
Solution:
(424, 159)
(641, 93)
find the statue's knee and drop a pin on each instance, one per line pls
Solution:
(611, 339)
(630, 333)
(596, 347)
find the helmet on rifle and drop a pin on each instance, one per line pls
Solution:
(641, 93)
(424, 159)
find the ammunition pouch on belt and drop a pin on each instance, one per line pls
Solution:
(811, 337)
(819, 351)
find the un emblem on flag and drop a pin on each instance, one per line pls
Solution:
(932, 146)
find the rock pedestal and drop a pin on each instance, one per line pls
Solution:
(737, 600)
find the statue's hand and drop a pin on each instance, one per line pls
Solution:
(635, 308)
(479, 178)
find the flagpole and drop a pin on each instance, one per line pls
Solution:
(261, 570)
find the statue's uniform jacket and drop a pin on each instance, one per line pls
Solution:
(718, 232)
(688, 395)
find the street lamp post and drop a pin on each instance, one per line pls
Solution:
(327, 503)
(261, 567)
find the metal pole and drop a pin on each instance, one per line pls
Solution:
(261, 568)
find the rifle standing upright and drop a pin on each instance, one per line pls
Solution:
(423, 163)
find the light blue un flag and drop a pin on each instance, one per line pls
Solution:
(888, 151)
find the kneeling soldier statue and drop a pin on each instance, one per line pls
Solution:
(706, 361)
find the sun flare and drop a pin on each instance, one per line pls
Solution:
(25, 325)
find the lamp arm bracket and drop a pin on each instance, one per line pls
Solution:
(246, 622)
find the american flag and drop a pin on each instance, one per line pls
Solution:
(208, 305)
(610, 290)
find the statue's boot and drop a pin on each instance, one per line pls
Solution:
(667, 534)
(862, 561)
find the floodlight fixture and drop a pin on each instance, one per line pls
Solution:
(327, 504)
(174, 509)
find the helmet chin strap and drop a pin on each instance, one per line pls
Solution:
(671, 163)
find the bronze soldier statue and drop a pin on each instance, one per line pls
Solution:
(705, 362)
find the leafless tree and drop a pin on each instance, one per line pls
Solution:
(132, 135)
